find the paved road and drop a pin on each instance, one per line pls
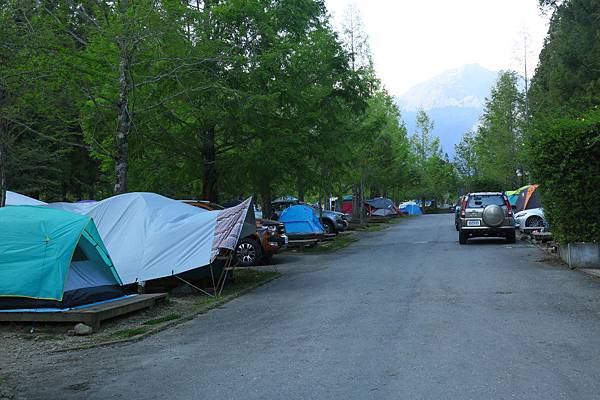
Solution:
(403, 314)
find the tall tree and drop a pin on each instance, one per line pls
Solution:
(490, 156)
(563, 144)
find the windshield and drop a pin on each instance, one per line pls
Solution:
(482, 201)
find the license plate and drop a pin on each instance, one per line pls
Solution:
(473, 222)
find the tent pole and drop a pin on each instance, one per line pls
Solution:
(212, 277)
(226, 269)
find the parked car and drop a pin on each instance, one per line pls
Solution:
(270, 238)
(531, 219)
(486, 214)
(333, 221)
(280, 204)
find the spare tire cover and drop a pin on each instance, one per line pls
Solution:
(493, 215)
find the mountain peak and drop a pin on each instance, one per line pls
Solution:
(454, 100)
(465, 86)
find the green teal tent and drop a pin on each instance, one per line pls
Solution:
(513, 195)
(52, 259)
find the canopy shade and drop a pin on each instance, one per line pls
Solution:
(150, 236)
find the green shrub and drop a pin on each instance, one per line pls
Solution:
(565, 160)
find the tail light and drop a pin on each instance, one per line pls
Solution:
(508, 207)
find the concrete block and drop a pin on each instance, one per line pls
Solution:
(581, 255)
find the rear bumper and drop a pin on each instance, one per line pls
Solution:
(488, 231)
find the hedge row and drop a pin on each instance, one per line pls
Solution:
(565, 160)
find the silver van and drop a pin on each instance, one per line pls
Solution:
(486, 214)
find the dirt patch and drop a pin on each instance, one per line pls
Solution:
(21, 342)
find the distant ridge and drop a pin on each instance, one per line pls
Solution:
(454, 99)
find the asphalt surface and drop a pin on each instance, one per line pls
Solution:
(406, 313)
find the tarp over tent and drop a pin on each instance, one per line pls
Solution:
(52, 259)
(16, 199)
(301, 219)
(411, 208)
(528, 198)
(382, 207)
(150, 236)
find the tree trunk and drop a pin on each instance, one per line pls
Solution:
(301, 194)
(124, 117)
(356, 203)
(3, 188)
(3, 148)
(363, 215)
(266, 198)
(210, 176)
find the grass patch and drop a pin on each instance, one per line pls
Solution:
(242, 280)
(131, 332)
(375, 227)
(160, 320)
(339, 242)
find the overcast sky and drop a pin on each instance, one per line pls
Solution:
(413, 40)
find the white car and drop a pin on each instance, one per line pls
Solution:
(530, 219)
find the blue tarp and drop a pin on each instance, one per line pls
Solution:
(301, 219)
(411, 209)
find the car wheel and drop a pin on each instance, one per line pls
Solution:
(462, 237)
(457, 226)
(329, 228)
(511, 238)
(534, 222)
(248, 252)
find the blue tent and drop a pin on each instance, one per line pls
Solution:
(301, 219)
(411, 208)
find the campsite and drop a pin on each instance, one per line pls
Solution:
(299, 199)
(89, 261)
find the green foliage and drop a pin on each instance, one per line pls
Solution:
(567, 80)
(563, 145)
(565, 157)
(223, 99)
(488, 158)
(434, 177)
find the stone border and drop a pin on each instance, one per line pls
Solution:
(591, 272)
(170, 324)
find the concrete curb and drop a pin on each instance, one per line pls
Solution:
(170, 324)
(591, 272)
